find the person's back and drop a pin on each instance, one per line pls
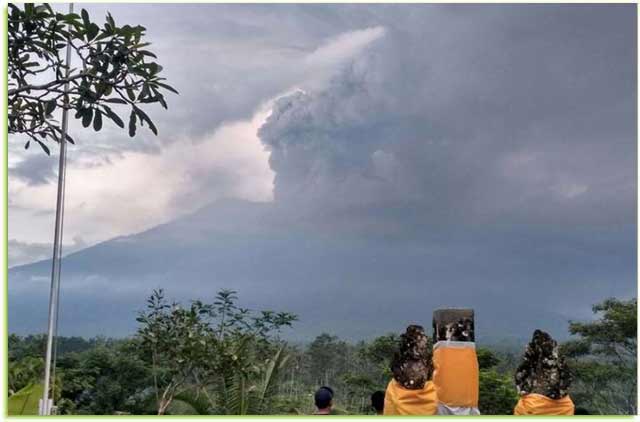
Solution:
(377, 402)
(411, 391)
(323, 400)
(543, 379)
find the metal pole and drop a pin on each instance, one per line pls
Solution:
(45, 408)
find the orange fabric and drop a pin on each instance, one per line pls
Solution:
(537, 404)
(456, 375)
(401, 401)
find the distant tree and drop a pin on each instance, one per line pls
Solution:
(497, 393)
(217, 357)
(381, 349)
(327, 358)
(604, 358)
(376, 356)
(111, 68)
(178, 340)
(104, 380)
(24, 372)
(359, 387)
(614, 334)
(28, 346)
(486, 358)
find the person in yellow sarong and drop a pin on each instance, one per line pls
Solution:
(537, 404)
(543, 379)
(411, 391)
(402, 401)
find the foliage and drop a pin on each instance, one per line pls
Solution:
(244, 367)
(327, 358)
(603, 359)
(105, 380)
(614, 334)
(486, 358)
(25, 401)
(242, 392)
(114, 69)
(24, 372)
(497, 393)
(211, 346)
(177, 340)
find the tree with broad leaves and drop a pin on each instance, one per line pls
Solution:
(604, 358)
(110, 70)
(215, 356)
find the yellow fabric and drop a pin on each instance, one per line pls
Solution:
(537, 404)
(401, 401)
(456, 375)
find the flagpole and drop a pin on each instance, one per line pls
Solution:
(54, 295)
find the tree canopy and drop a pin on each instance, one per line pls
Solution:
(111, 73)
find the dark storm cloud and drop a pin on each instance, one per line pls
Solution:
(474, 155)
(224, 59)
(517, 113)
(505, 135)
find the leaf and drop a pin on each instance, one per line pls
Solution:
(162, 101)
(92, 31)
(131, 94)
(110, 20)
(132, 124)
(147, 53)
(154, 68)
(50, 106)
(44, 147)
(85, 18)
(113, 116)
(165, 86)
(26, 146)
(87, 116)
(115, 100)
(143, 116)
(97, 121)
(70, 17)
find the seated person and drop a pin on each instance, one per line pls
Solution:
(411, 391)
(543, 379)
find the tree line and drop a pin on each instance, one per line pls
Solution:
(221, 358)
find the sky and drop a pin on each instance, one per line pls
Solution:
(483, 150)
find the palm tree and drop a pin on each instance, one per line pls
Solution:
(239, 390)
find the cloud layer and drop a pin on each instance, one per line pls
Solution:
(423, 155)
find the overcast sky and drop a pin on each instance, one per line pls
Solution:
(515, 122)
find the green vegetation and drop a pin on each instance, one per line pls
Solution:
(25, 401)
(114, 70)
(604, 359)
(220, 358)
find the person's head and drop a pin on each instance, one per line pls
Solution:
(377, 401)
(411, 365)
(324, 398)
(543, 369)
